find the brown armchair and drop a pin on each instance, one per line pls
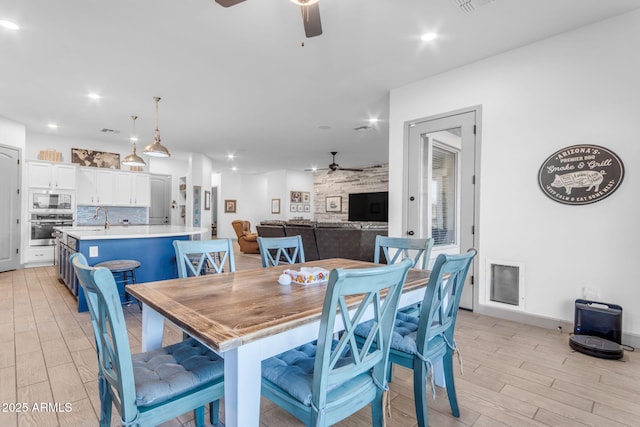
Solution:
(247, 240)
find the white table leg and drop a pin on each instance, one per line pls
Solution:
(152, 328)
(242, 379)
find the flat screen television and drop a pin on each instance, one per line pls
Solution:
(369, 206)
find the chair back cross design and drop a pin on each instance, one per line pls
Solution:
(344, 378)
(146, 388)
(273, 250)
(442, 298)
(197, 257)
(398, 248)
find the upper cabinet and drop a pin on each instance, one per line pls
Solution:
(132, 189)
(53, 176)
(95, 186)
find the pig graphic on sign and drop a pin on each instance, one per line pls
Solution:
(589, 179)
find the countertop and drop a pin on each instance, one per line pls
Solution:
(130, 231)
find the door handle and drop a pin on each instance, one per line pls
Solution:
(410, 233)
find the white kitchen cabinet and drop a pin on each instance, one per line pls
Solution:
(132, 189)
(96, 186)
(53, 176)
(39, 255)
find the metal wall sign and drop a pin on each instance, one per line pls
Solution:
(581, 174)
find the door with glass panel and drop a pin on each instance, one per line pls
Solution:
(440, 186)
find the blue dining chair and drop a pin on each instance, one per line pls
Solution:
(323, 382)
(197, 257)
(395, 249)
(418, 342)
(146, 388)
(276, 249)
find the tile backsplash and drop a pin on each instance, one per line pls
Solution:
(117, 215)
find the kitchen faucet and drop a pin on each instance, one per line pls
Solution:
(106, 216)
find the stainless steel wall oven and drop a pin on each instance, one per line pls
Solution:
(42, 225)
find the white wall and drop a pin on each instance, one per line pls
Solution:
(250, 194)
(577, 88)
(253, 195)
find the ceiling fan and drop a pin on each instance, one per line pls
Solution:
(310, 14)
(333, 166)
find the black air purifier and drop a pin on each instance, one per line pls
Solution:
(597, 329)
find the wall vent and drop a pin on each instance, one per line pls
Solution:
(505, 282)
(470, 6)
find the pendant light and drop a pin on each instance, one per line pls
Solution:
(155, 149)
(133, 159)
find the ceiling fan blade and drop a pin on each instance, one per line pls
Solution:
(311, 20)
(350, 169)
(228, 3)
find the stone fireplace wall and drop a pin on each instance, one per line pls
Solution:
(341, 183)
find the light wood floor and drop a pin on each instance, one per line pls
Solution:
(514, 374)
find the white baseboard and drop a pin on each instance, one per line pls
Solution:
(628, 339)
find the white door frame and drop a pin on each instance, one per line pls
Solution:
(14, 204)
(476, 204)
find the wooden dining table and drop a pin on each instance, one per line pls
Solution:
(246, 317)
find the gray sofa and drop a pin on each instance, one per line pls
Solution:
(330, 240)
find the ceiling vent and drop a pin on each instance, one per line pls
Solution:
(470, 6)
(105, 130)
(362, 128)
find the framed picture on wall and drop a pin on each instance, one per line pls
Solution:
(307, 208)
(275, 206)
(300, 208)
(229, 206)
(333, 204)
(296, 197)
(293, 207)
(306, 197)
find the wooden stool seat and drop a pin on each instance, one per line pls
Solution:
(119, 265)
(123, 271)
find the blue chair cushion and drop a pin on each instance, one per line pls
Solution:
(167, 372)
(292, 371)
(404, 332)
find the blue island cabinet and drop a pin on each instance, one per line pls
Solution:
(156, 256)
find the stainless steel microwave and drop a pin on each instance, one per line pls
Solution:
(52, 202)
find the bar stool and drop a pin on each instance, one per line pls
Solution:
(124, 271)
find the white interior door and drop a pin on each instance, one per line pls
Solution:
(10, 209)
(440, 186)
(160, 209)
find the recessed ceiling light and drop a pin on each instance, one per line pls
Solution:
(52, 126)
(427, 37)
(133, 139)
(9, 25)
(234, 168)
(93, 95)
(230, 156)
(373, 120)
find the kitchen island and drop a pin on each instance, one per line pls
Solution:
(151, 245)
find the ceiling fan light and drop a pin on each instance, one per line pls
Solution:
(304, 2)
